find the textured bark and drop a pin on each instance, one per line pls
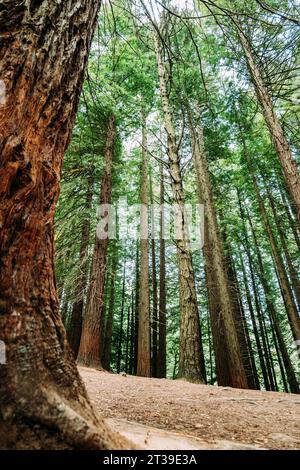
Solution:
(154, 323)
(241, 327)
(43, 53)
(89, 351)
(162, 340)
(191, 354)
(217, 328)
(281, 144)
(236, 368)
(144, 352)
(75, 325)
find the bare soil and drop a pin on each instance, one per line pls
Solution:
(218, 417)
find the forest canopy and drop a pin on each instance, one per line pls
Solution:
(205, 102)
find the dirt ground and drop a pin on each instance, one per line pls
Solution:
(220, 417)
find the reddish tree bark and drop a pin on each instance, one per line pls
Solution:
(43, 53)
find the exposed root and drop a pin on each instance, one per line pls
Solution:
(62, 423)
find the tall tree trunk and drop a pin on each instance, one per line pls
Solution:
(132, 336)
(293, 224)
(127, 358)
(255, 328)
(120, 341)
(75, 326)
(144, 352)
(190, 355)
(236, 368)
(43, 53)
(283, 278)
(281, 144)
(291, 377)
(162, 348)
(154, 322)
(217, 328)
(136, 310)
(110, 314)
(242, 329)
(291, 268)
(89, 351)
(278, 352)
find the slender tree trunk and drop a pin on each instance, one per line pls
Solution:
(283, 279)
(162, 349)
(154, 328)
(281, 367)
(242, 327)
(136, 310)
(75, 326)
(190, 355)
(43, 53)
(291, 268)
(119, 357)
(281, 144)
(132, 336)
(110, 314)
(255, 328)
(127, 358)
(211, 381)
(89, 351)
(144, 349)
(291, 377)
(236, 368)
(64, 307)
(293, 224)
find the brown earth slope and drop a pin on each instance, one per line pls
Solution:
(219, 417)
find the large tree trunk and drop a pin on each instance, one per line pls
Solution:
(241, 326)
(191, 354)
(75, 325)
(236, 368)
(144, 353)
(162, 340)
(43, 53)
(217, 328)
(89, 351)
(281, 144)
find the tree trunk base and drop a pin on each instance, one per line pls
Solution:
(48, 422)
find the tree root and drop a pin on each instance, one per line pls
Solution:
(50, 412)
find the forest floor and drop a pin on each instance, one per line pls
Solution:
(175, 414)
